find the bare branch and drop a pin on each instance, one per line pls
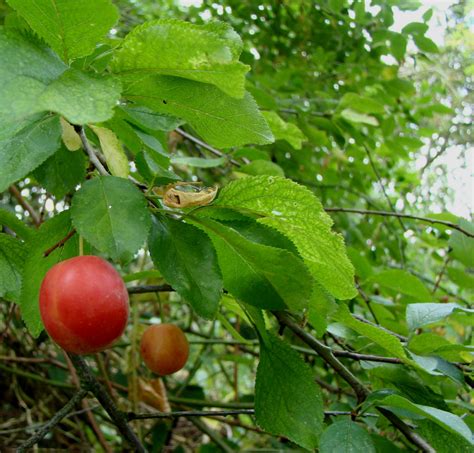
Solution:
(402, 216)
(118, 417)
(60, 243)
(25, 205)
(90, 151)
(361, 391)
(204, 145)
(53, 422)
(142, 289)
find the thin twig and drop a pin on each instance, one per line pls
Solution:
(361, 391)
(441, 273)
(392, 207)
(90, 151)
(142, 289)
(134, 416)
(175, 414)
(59, 243)
(118, 417)
(53, 422)
(213, 435)
(25, 205)
(402, 216)
(204, 145)
(362, 319)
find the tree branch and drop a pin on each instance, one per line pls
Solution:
(160, 415)
(134, 416)
(402, 216)
(59, 243)
(361, 391)
(119, 418)
(53, 422)
(90, 151)
(204, 145)
(25, 205)
(142, 289)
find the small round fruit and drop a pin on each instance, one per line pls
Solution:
(164, 348)
(84, 304)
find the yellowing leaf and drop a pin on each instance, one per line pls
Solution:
(70, 137)
(114, 154)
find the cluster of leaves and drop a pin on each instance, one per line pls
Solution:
(94, 124)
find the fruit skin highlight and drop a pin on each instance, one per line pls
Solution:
(164, 348)
(84, 304)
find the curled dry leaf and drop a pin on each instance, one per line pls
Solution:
(175, 197)
(153, 393)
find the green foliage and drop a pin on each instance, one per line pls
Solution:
(12, 256)
(186, 258)
(355, 118)
(261, 275)
(284, 131)
(72, 29)
(111, 214)
(287, 401)
(221, 120)
(205, 53)
(345, 437)
(463, 246)
(28, 149)
(446, 420)
(402, 282)
(296, 212)
(419, 315)
(34, 80)
(378, 336)
(62, 172)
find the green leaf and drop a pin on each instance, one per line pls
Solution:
(204, 53)
(346, 436)
(261, 167)
(12, 257)
(261, 275)
(148, 119)
(81, 97)
(150, 165)
(425, 44)
(62, 172)
(441, 440)
(199, 162)
(355, 117)
(402, 282)
(10, 220)
(461, 278)
(111, 214)
(284, 131)
(294, 211)
(36, 265)
(380, 337)
(34, 80)
(408, 384)
(28, 149)
(419, 315)
(287, 401)
(115, 156)
(187, 260)
(462, 245)
(361, 104)
(446, 420)
(219, 119)
(72, 29)
(415, 28)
